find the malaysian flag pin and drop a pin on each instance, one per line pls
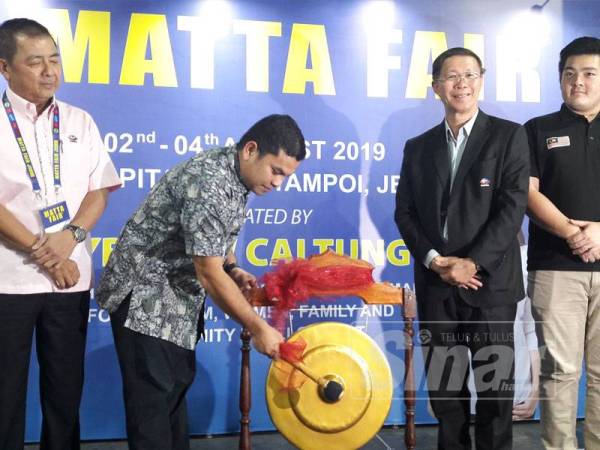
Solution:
(557, 142)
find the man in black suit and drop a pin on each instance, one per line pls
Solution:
(459, 205)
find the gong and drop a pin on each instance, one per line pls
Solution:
(349, 403)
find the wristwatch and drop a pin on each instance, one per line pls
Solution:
(229, 267)
(79, 233)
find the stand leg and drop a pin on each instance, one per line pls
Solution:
(410, 312)
(245, 393)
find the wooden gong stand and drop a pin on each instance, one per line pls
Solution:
(409, 313)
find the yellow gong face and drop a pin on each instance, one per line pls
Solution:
(338, 352)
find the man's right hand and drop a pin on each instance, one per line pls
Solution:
(461, 272)
(266, 340)
(585, 243)
(65, 274)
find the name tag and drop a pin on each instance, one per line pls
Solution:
(560, 141)
(54, 215)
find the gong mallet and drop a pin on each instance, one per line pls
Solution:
(331, 388)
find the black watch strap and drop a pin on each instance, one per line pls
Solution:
(229, 267)
(79, 233)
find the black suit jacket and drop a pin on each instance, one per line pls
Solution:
(485, 208)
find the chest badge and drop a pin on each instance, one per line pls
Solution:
(559, 141)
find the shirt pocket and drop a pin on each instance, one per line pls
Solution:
(75, 162)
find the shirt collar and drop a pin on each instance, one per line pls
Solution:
(567, 114)
(466, 128)
(233, 157)
(25, 107)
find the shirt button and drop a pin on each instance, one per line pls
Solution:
(591, 138)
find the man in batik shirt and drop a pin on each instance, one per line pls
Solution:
(175, 250)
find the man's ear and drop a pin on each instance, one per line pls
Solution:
(249, 150)
(4, 68)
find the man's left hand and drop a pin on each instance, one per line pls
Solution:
(53, 249)
(461, 272)
(526, 409)
(65, 274)
(244, 280)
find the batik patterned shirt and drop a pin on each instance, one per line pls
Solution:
(196, 209)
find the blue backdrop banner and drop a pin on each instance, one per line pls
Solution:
(166, 80)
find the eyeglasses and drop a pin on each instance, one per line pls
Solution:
(454, 78)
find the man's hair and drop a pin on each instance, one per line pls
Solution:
(274, 133)
(581, 46)
(438, 62)
(13, 27)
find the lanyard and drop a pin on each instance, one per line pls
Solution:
(25, 154)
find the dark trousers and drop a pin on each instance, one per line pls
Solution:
(156, 376)
(454, 334)
(60, 324)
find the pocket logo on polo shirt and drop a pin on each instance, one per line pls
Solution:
(560, 141)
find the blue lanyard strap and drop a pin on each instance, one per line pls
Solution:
(25, 154)
(56, 147)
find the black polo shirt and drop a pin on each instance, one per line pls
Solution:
(565, 156)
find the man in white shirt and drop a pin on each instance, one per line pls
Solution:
(55, 178)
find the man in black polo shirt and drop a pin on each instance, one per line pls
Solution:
(564, 246)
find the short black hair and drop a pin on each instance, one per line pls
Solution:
(585, 45)
(274, 133)
(436, 67)
(13, 27)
